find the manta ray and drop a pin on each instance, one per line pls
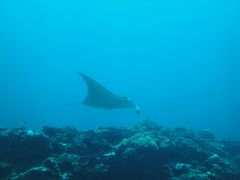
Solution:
(100, 97)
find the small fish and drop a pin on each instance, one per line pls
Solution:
(24, 121)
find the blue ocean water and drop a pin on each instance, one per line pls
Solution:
(179, 60)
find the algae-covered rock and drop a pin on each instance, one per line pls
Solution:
(5, 170)
(206, 134)
(146, 151)
(195, 175)
(23, 146)
(147, 125)
(36, 173)
(140, 141)
(114, 135)
(63, 135)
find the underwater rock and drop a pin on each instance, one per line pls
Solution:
(23, 146)
(52, 164)
(63, 135)
(182, 167)
(89, 142)
(5, 170)
(206, 134)
(36, 173)
(66, 162)
(101, 168)
(63, 165)
(236, 160)
(146, 151)
(141, 141)
(147, 125)
(114, 135)
(195, 174)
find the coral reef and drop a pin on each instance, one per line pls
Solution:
(146, 151)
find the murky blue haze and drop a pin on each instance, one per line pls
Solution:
(179, 60)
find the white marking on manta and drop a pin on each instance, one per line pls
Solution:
(100, 97)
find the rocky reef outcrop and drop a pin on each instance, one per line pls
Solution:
(146, 151)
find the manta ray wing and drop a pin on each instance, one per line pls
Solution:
(100, 97)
